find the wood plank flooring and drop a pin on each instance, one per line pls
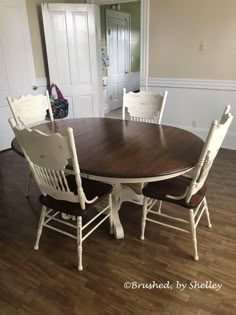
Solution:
(47, 282)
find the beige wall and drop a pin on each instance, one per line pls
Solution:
(176, 29)
(36, 33)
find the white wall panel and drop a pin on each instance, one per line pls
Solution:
(194, 108)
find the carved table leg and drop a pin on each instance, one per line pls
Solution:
(120, 194)
(116, 204)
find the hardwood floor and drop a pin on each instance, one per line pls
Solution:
(47, 282)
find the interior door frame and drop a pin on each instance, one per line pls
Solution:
(144, 34)
(116, 14)
(113, 14)
(49, 45)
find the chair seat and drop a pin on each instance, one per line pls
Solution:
(174, 187)
(91, 189)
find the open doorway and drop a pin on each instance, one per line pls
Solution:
(120, 43)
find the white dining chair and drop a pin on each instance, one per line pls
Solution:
(63, 190)
(29, 111)
(144, 106)
(185, 191)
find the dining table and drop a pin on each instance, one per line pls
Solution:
(127, 154)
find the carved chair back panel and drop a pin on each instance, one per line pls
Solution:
(212, 145)
(144, 106)
(30, 110)
(48, 156)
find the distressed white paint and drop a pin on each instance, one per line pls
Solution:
(73, 55)
(211, 147)
(144, 106)
(123, 192)
(214, 141)
(30, 110)
(48, 156)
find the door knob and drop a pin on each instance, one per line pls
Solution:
(35, 87)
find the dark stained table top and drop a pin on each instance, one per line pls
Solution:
(125, 149)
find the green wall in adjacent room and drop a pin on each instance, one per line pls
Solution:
(133, 8)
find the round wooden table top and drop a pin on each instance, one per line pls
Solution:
(126, 149)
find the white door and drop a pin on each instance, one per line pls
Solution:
(17, 74)
(118, 49)
(71, 42)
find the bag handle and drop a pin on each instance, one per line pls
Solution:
(58, 91)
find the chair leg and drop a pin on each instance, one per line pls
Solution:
(144, 215)
(79, 242)
(194, 235)
(28, 183)
(207, 213)
(159, 207)
(40, 227)
(110, 218)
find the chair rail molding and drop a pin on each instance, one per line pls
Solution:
(192, 104)
(226, 85)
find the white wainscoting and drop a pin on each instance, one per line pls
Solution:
(193, 104)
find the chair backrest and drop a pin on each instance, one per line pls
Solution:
(30, 110)
(144, 106)
(48, 156)
(210, 149)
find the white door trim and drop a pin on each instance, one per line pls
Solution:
(144, 40)
(144, 54)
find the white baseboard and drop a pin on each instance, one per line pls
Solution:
(194, 104)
